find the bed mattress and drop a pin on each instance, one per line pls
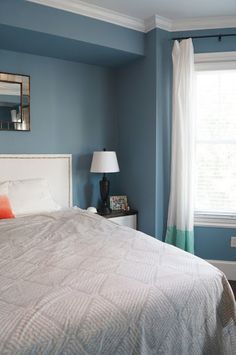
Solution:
(72, 282)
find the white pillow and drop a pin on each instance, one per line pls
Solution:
(4, 188)
(29, 196)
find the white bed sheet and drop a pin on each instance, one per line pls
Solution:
(75, 283)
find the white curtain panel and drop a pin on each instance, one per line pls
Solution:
(181, 203)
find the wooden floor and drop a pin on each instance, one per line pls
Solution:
(233, 285)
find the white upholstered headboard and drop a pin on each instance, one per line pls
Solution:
(56, 168)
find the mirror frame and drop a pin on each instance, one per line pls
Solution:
(24, 81)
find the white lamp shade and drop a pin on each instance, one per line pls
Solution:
(104, 162)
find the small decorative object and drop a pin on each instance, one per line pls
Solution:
(92, 209)
(118, 203)
(104, 162)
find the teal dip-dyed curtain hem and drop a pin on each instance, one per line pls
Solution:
(181, 239)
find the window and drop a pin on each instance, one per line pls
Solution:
(215, 201)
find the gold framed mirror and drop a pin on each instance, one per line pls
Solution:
(14, 102)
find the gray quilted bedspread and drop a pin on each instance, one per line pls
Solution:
(74, 283)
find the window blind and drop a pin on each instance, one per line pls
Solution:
(216, 143)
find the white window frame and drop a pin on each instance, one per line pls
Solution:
(215, 61)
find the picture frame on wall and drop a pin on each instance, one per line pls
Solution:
(118, 202)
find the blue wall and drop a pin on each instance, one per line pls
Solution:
(143, 118)
(163, 127)
(35, 29)
(136, 107)
(48, 20)
(207, 45)
(72, 111)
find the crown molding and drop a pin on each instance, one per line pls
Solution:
(191, 24)
(155, 21)
(96, 12)
(203, 23)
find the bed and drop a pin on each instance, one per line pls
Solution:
(72, 282)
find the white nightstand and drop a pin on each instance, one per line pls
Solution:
(128, 219)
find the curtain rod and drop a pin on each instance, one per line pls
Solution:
(219, 36)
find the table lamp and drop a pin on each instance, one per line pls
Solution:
(104, 162)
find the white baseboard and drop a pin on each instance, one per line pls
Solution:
(227, 267)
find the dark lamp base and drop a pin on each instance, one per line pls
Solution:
(104, 210)
(104, 191)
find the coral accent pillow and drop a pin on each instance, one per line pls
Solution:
(5, 208)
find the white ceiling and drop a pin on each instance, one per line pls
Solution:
(171, 9)
(144, 15)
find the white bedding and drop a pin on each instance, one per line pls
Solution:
(75, 283)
